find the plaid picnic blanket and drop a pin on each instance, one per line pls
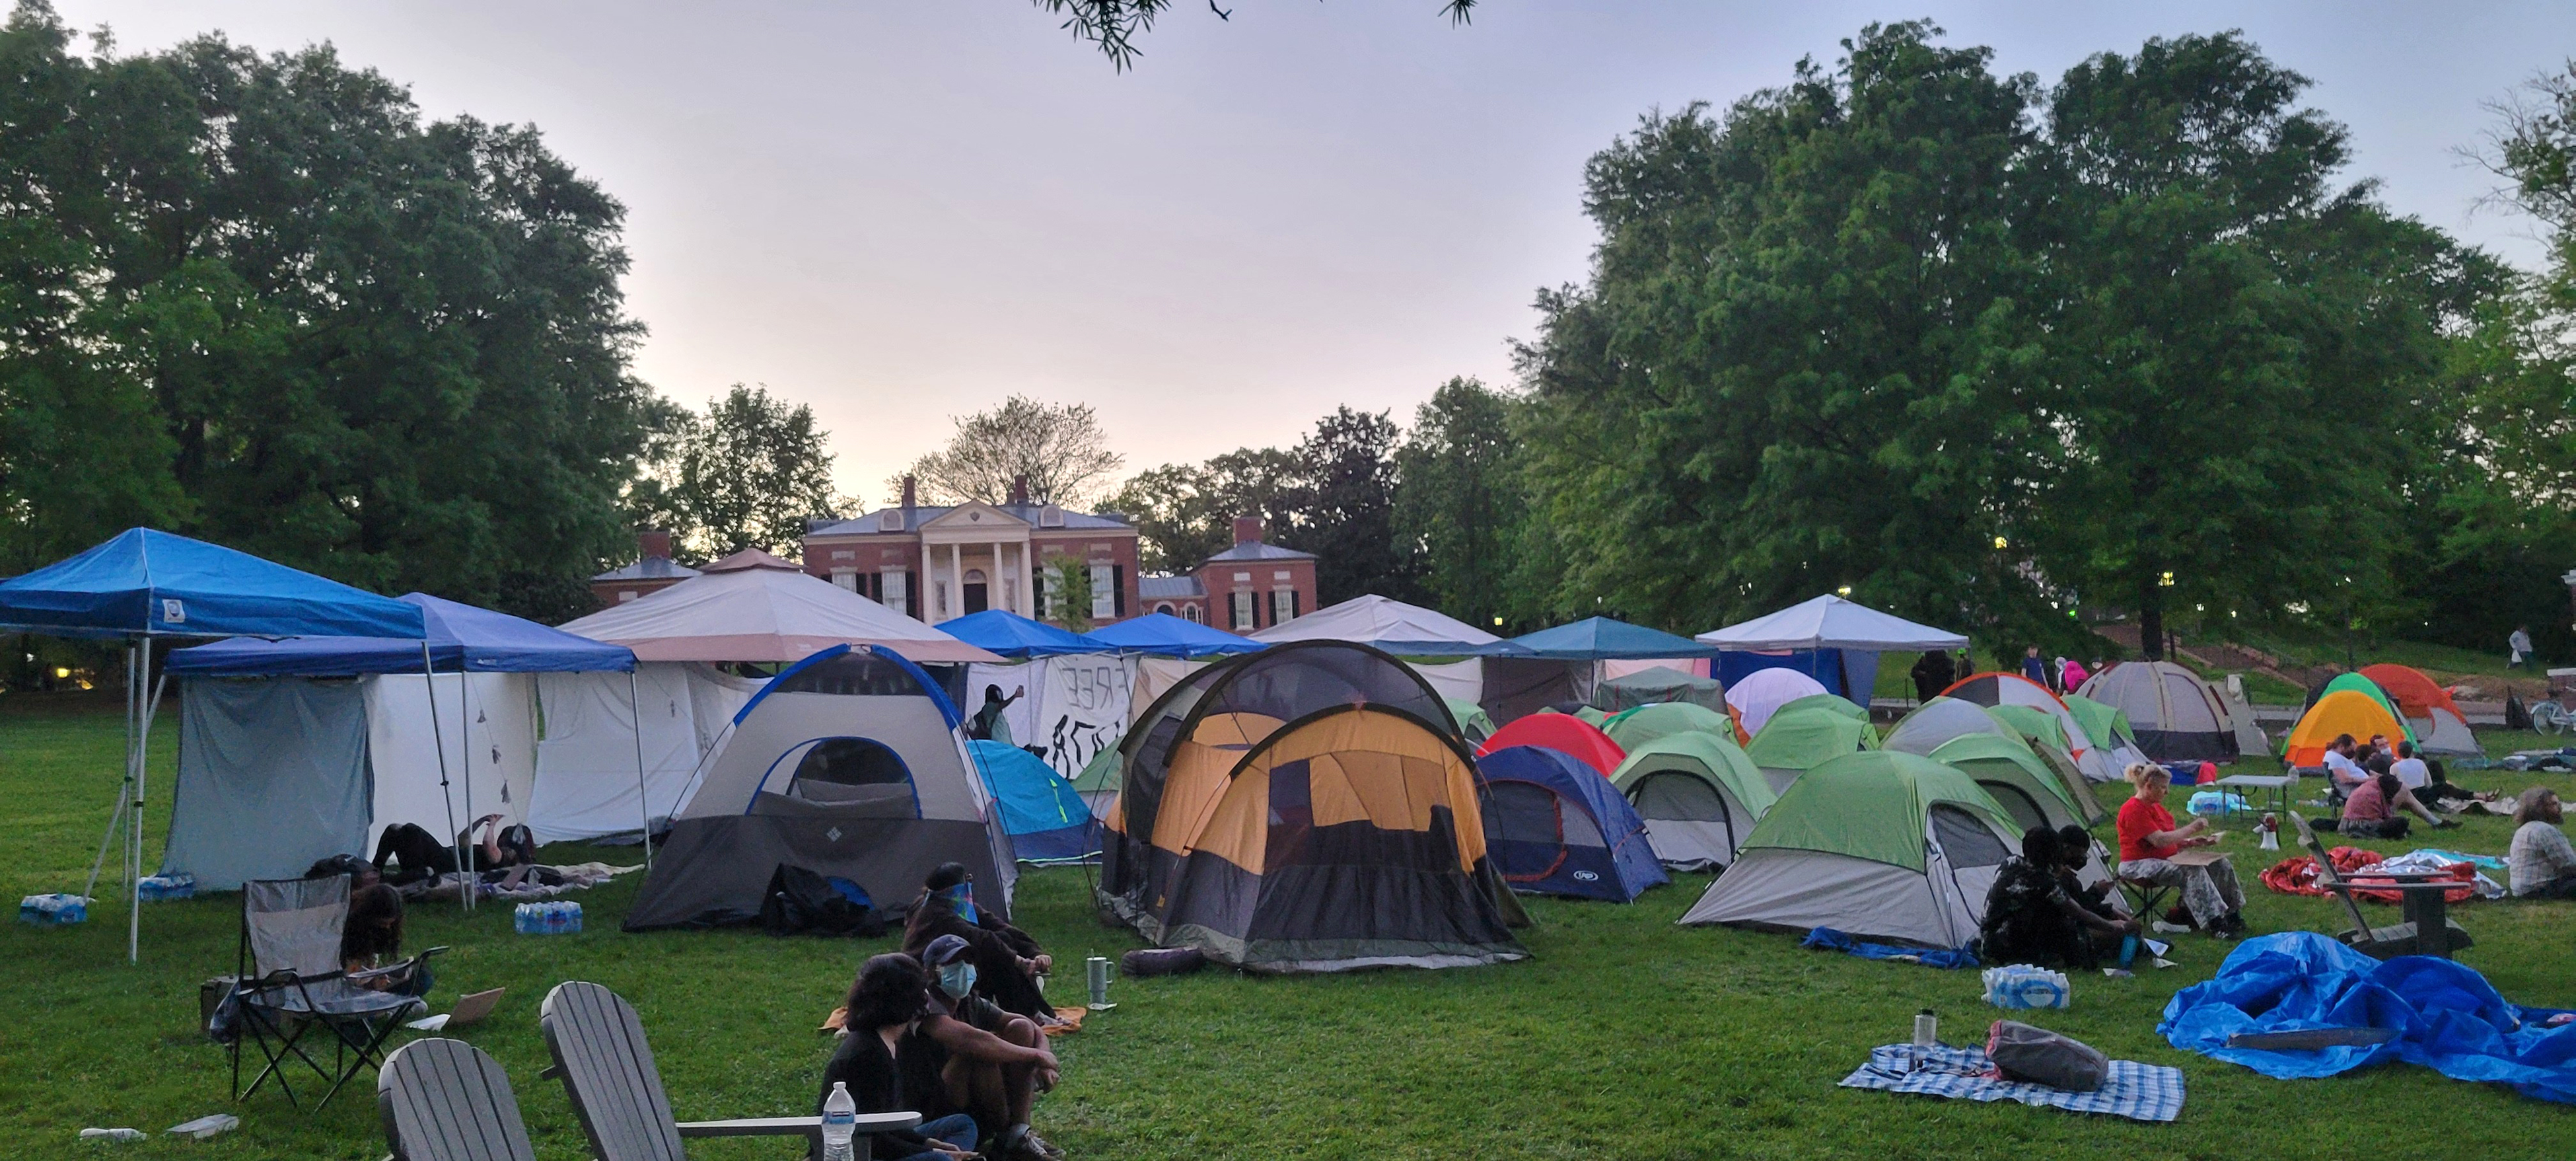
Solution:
(2140, 1092)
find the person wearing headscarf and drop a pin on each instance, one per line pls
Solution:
(1007, 961)
(2031, 918)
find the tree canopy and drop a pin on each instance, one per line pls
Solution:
(1059, 449)
(747, 474)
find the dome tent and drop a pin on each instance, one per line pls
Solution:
(1573, 736)
(1554, 827)
(1045, 816)
(2012, 691)
(1307, 808)
(1761, 693)
(1474, 723)
(1699, 796)
(2357, 683)
(1941, 719)
(2109, 730)
(1655, 686)
(1635, 727)
(2175, 715)
(1800, 737)
(2344, 711)
(2438, 724)
(847, 763)
(1881, 844)
(2021, 781)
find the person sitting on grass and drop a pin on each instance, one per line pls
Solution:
(1007, 961)
(2542, 861)
(2149, 840)
(2371, 811)
(2342, 773)
(2430, 784)
(2030, 918)
(2075, 846)
(891, 1065)
(997, 1062)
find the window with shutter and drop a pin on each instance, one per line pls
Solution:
(1104, 598)
(1283, 605)
(1118, 590)
(1243, 606)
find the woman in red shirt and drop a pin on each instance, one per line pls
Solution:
(2149, 839)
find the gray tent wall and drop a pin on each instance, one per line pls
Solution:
(273, 776)
(1516, 687)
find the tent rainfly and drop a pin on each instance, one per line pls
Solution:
(1656, 685)
(1392, 626)
(1761, 694)
(766, 615)
(1803, 736)
(2176, 717)
(1555, 827)
(1636, 727)
(1699, 795)
(1164, 635)
(2438, 724)
(1564, 733)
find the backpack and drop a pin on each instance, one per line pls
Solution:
(800, 902)
(2038, 1056)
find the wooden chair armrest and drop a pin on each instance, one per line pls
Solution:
(2349, 886)
(794, 1126)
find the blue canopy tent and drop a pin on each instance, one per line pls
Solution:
(1008, 634)
(460, 639)
(145, 583)
(1165, 635)
(1604, 639)
(1047, 821)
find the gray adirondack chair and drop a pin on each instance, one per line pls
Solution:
(443, 1100)
(608, 1072)
(2428, 929)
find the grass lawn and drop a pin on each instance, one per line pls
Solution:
(1624, 1037)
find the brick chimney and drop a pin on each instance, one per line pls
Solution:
(909, 492)
(1247, 530)
(654, 542)
(1019, 489)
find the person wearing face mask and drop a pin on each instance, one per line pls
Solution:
(997, 1062)
(891, 1064)
(1007, 962)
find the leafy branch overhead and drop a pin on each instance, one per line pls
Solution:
(1114, 25)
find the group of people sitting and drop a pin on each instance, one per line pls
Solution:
(2040, 911)
(2374, 782)
(952, 1027)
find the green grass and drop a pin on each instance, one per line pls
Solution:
(1624, 1037)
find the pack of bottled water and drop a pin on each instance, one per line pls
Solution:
(55, 910)
(547, 918)
(179, 886)
(2023, 986)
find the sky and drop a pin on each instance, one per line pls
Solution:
(902, 212)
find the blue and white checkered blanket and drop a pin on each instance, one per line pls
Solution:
(2140, 1092)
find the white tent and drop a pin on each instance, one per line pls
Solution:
(586, 761)
(1072, 705)
(1939, 720)
(1830, 622)
(1389, 624)
(763, 614)
(1760, 694)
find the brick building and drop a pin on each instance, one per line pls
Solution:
(652, 572)
(1252, 585)
(936, 563)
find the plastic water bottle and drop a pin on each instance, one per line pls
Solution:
(840, 1123)
(555, 921)
(572, 917)
(111, 1134)
(520, 920)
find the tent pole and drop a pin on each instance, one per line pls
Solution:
(446, 797)
(124, 790)
(465, 744)
(643, 800)
(134, 817)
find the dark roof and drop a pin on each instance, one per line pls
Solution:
(753, 558)
(649, 568)
(1256, 550)
(871, 524)
(1164, 588)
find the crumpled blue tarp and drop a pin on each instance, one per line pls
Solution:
(1828, 939)
(2448, 1017)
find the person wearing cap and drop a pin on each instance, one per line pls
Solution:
(997, 1062)
(1007, 962)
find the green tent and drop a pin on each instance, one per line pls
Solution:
(1699, 795)
(2364, 685)
(1881, 844)
(2106, 727)
(1832, 701)
(1635, 727)
(1099, 781)
(2019, 780)
(2033, 724)
(1799, 739)
(1473, 721)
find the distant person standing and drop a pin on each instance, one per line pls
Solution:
(2518, 647)
(1932, 674)
(2072, 676)
(2034, 667)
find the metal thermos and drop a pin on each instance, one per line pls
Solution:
(1097, 969)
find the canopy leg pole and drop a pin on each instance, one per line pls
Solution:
(124, 790)
(643, 798)
(134, 817)
(465, 744)
(446, 797)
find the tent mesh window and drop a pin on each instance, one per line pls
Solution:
(1290, 683)
(1966, 840)
(1525, 825)
(1679, 797)
(851, 762)
(2016, 802)
(853, 674)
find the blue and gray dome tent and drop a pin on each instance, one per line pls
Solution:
(1045, 817)
(1555, 826)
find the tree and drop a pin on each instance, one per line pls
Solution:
(1347, 512)
(2238, 352)
(1792, 369)
(1114, 24)
(1059, 449)
(1458, 505)
(255, 299)
(745, 475)
(1184, 513)
(1068, 593)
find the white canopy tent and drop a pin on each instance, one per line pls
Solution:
(1856, 633)
(1389, 624)
(763, 614)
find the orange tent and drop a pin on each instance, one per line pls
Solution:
(2345, 711)
(2414, 693)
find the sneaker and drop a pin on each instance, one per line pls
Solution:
(1018, 1143)
(2164, 928)
(1040, 1146)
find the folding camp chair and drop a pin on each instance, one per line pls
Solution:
(444, 1100)
(608, 1072)
(291, 982)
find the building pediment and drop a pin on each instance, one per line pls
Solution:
(974, 521)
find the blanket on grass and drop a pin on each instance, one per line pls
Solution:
(2140, 1092)
(2297, 875)
(1828, 939)
(2448, 1018)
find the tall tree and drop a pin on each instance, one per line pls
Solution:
(1114, 25)
(1458, 506)
(747, 474)
(2239, 352)
(1184, 513)
(1060, 449)
(1791, 370)
(1347, 517)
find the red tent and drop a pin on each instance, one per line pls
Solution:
(2415, 694)
(1562, 732)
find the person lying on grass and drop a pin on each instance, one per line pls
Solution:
(2149, 839)
(2426, 778)
(421, 856)
(2371, 811)
(2543, 863)
(891, 1065)
(997, 1062)
(2030, 917)
(1007, 961)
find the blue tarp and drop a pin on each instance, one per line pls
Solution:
(1169, 636)
(1047, 821)
(1540, 843)
(1008, 634)
(1828, 939)
(2448, 1017)
(461, 638)
(150, 583)
(1599, 638)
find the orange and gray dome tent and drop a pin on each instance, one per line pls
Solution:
(2345, 711)
(1307, 808)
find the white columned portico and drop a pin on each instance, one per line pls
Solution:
(956, 579)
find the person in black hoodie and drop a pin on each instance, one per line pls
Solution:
(1932, 674)
(1007, 961)
(892, 1066)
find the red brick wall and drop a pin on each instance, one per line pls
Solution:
(1217, 577)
